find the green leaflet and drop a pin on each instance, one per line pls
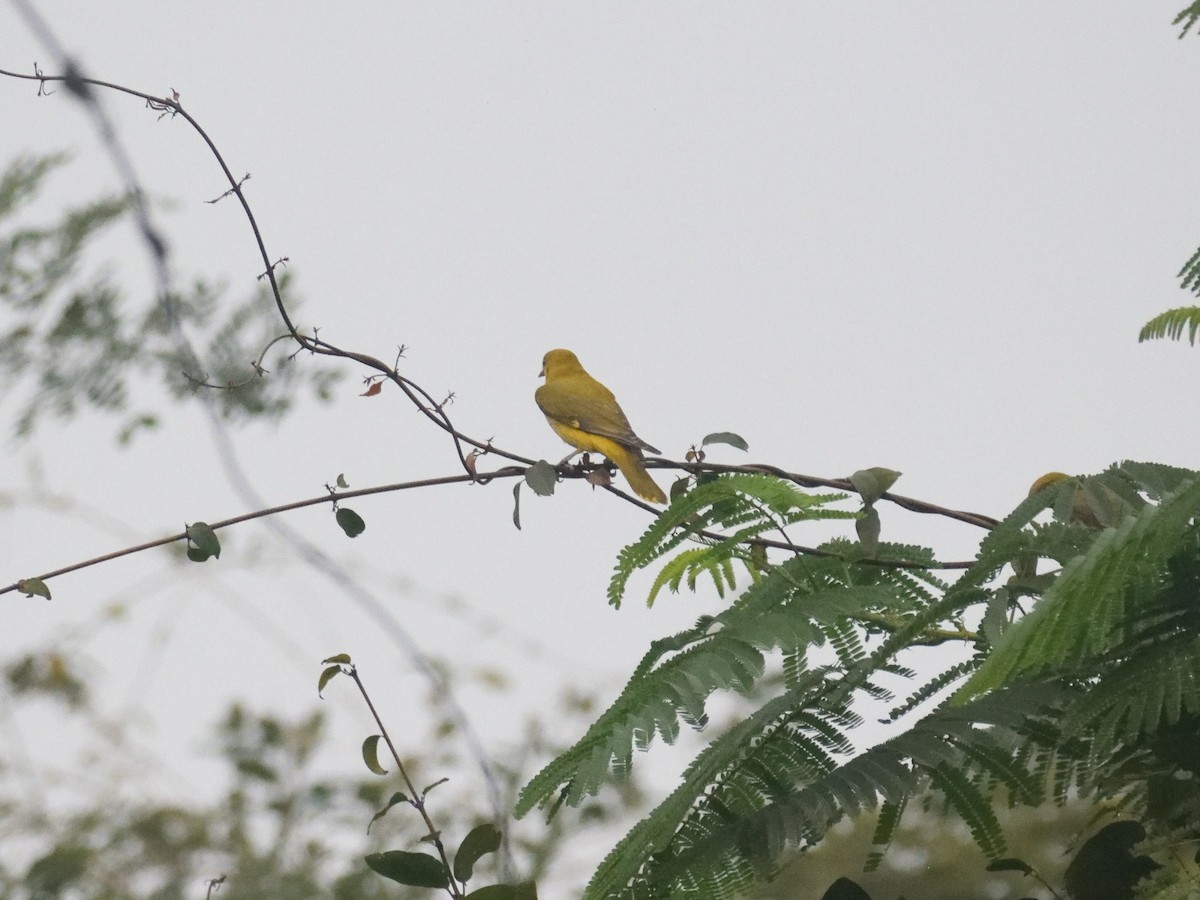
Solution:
(1102, 638)
(1082, 615)
(725, 653)
(741, 505)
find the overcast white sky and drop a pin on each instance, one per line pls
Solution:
(921, 236)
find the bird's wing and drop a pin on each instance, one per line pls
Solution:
(588, 407)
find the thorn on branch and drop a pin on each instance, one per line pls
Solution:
(282, 261)
(167, 106)
(214, 884)
(203, 382)
(236, 189)
(195, 382)
(41, 77)
(305, 343)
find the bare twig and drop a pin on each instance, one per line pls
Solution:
(510, 472)
(423, 401)
(416, 798)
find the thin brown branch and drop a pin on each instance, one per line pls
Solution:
(565, 472)
(415, 798)
(578, 471)
(424, 402)
(508, 472)
(839, 484)
(931, 637)
(434, 410)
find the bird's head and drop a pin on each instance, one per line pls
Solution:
(559, 362)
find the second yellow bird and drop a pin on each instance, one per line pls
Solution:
(585, 414)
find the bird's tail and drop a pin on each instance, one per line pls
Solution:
(631, 466)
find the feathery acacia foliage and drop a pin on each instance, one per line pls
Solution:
(744, 505)
(74, 341)
(1080, 679)
(1187, 17)
(1171, 324)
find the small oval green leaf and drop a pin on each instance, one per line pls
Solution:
(493, 892)
(758, 556)
(868, 530)
(204, 540)
(33, 587)
(873, 483)
(370, 752)
(517, 505)
(203, 537)
(725, 437)
(541, 477)
(415, 869)
(350, 522)
(679, 487)
(342, 658)
(525, 891)
(479, 840)
(398, 797)
(325, 678)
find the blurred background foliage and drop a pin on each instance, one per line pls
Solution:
(73, 339)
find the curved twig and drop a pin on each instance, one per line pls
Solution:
(571, 473)
(417, 395)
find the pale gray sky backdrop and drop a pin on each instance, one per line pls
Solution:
(919, 235)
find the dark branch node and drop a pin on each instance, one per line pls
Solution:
(76, 83)
(167, 105)
(236, 189)
(41, 77)
(282, 261)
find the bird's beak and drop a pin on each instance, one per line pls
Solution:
(542, 374)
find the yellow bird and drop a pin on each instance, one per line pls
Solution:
(1082, 512)
(585, 414)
